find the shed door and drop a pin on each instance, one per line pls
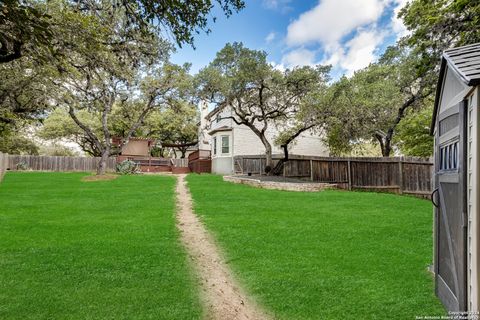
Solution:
(450, 214)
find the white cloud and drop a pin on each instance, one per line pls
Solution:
(270, 37)
(397, 24)
(331, 20)
(278, 66)
(347, 34)
(279, 5)
(360, 50)
(299, 57)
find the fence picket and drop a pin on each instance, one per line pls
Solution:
(3, 164)
(410, 175)
(55, 163)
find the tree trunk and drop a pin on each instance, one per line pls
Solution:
(387, 147)
(183, 151)
(266, 144)
(268, 156)
(102, 165)
(279, 167)
(385, 144)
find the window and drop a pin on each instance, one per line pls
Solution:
(225, 145)
(214, 145)
(218, 118)
(449, 156)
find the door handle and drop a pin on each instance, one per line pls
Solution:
(432, 197)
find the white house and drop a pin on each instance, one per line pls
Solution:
(226, 139)
(457, 174)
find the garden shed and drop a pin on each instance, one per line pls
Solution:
(456, 229)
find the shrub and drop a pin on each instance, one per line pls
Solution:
(22, 165)
(127, 167)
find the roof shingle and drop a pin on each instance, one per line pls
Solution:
(466, 62)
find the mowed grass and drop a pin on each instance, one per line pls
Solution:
(325, 255)
(92, 250)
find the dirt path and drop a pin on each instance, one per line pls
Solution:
(224, 299)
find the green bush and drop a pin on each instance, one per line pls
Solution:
(22, 165)
(127, 167)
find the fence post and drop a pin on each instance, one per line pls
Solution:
(400, 174)
(311, 170)
(349, 169)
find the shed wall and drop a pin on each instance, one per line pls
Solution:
(452, 91)
(473, 194)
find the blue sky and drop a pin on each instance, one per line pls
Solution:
(348, 34)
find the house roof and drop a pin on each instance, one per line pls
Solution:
(220, 129)
(465, 63)
(217, 109)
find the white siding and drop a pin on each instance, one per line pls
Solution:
(222, 165)
(203, 137)
(244, 142)
(473, 193)
(247, 143)
(222, 115)
(452, 91)
(309, 144)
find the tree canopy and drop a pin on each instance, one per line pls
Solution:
(261, 97)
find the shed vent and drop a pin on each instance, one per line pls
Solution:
(448, 124)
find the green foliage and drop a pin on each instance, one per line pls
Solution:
(22, 165)
(15, 142)
(413, 134)
(403, 80)
(243, 79)
(371, 104)
(183, 19)
(92, 250)
(57, 149)
(303, 91)
(28, 28)
(437, 25)
(25, 89)
(24, 31)
(260, 96)
(323, 255)
(127, 167)
(236, 72)
(59, 125)
(175, 127)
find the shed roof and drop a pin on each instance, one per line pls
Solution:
(465, 63)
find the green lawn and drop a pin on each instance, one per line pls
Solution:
(326, 255)
(92, 250)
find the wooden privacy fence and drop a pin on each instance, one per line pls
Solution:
(3, 164)
(410, 175)
(180, 163)
(200, 161)
(57, 163)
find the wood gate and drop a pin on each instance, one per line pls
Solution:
(450, 199)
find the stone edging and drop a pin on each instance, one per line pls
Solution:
(288, 186)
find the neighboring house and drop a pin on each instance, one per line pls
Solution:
(135, 146)
(176, 154)
(457, 214)
(141, 147)
(226, 139)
